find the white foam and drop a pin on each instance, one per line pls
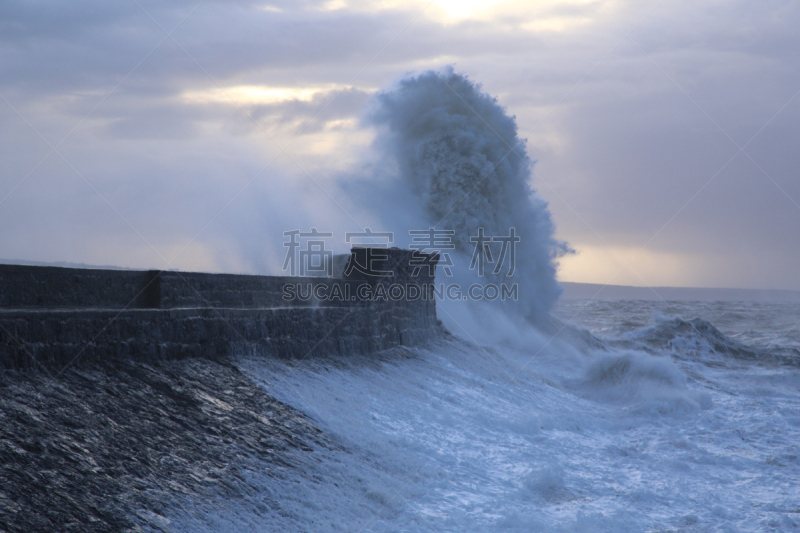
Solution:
(532, 436)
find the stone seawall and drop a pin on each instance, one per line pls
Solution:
(51, 317)
(53, 287)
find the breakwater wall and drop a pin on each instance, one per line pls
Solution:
(51, 317)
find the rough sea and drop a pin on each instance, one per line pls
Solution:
(663, 416)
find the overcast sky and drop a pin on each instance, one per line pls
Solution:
(191, 135)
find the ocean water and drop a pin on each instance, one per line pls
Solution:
(681, 416)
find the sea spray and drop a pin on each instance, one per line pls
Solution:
(457, 151)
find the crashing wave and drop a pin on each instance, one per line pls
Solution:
(457, 151)
(698, 337)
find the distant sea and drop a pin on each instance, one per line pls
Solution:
(624, 292)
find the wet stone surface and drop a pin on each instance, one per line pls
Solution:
(112, 447)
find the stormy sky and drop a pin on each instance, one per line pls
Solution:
(192, 134)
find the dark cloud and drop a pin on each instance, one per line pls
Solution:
(627, 131)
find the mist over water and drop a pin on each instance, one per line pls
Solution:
(458, 154)
(645, 417)
(669, 428)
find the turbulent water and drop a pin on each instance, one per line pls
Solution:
(683, 417)
(622, 416)
(458, 153)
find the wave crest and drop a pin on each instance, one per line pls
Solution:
(458, 152)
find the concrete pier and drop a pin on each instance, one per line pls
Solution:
(51, 316)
